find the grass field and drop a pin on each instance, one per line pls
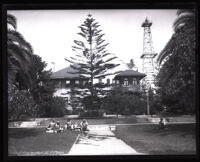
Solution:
(177, 139)
(38, 142)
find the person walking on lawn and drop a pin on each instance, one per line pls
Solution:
(162, 123)
(84, 127)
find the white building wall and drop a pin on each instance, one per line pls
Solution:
(62, 92)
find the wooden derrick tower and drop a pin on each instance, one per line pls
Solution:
(148, 54)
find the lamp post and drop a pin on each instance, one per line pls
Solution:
(148, 110)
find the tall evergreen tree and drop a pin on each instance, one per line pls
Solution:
(91, 58)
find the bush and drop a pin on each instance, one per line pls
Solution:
(21, 105)
(77, 111)
(91, 114)
(92, 104)
(125, 104)
(55, 107)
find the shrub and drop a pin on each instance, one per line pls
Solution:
(125, 104)
(55, 107)
(87, 101)
(21, 105)
(91, 113)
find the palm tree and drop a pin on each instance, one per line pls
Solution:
(184, 27)
(186, 19)
(19, 52)
(176, 76)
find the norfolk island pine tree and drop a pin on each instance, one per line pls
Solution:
(91, 59)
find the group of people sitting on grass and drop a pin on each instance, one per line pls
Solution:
(70, 125)
(82, 126)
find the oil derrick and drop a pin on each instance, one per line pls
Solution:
(148, 54)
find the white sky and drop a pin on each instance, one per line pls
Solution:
(51, 32)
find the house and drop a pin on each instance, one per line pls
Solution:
(129, 80)
(66, 83)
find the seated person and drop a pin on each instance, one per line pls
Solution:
(69, 125)
(58, 127)
(76, 126)
(51, 125)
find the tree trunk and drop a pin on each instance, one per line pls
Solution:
(91, 63)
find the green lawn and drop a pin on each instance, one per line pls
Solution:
(36, 140)
(177, 139)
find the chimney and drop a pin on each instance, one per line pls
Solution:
(53, 66)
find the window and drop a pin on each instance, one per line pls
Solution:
(117, 82)
(113, 81)
(41, 83)
(76, 81)
(58, 85)
(134, 81)
(100, 80)
(66, 100)
(125, 81)
(108, 81)
(67, 81)
(84, 82)
(63, 84)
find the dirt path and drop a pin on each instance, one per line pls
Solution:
(100, 141)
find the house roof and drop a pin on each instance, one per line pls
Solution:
(127, 73)
(64, 74)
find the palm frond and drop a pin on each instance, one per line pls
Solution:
(21, 53)
(14, 36)
(167, 49)
(184, 17)
(12, 21)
